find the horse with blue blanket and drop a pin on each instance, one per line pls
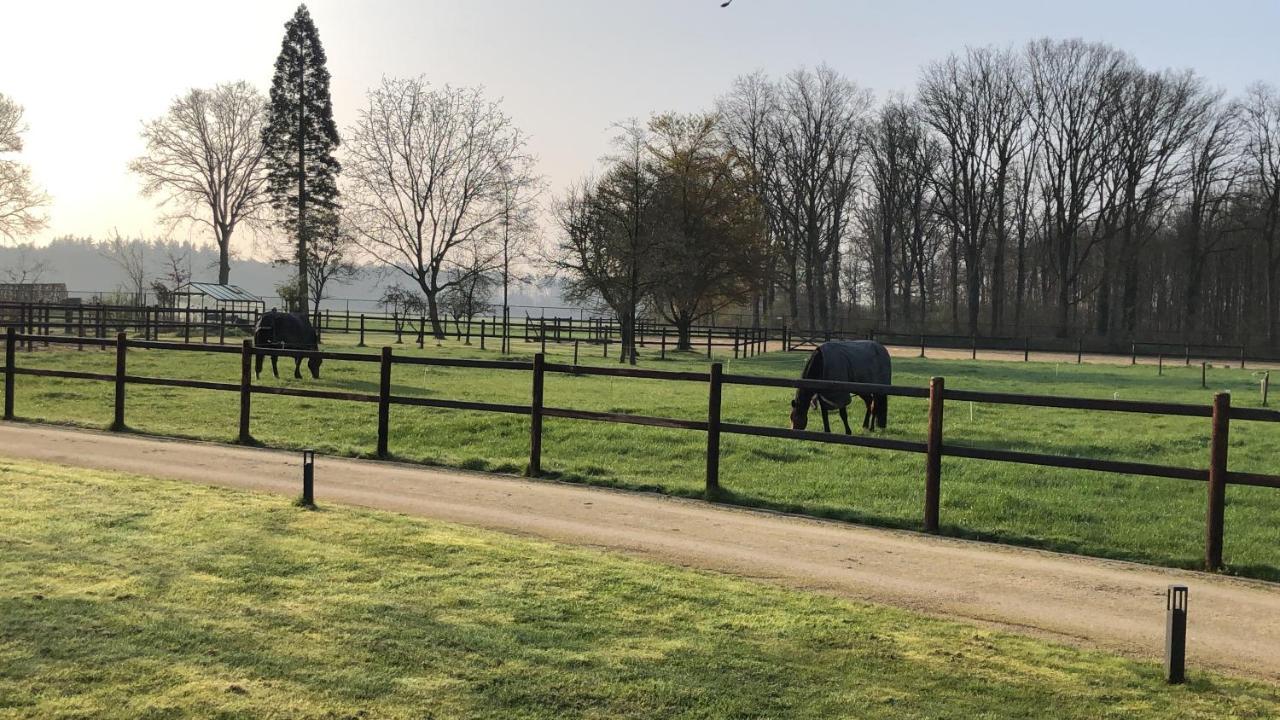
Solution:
(277, 330)
(859, 361)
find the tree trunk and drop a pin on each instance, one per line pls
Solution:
(1102, 323)
(955, 280)
(684, 333)
(1064, 288)
(223, 237)
(997, 282)
(973, 284)
(886, 273)
(1020, 283)
(433, 314)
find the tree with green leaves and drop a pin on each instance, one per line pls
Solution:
(300, 138)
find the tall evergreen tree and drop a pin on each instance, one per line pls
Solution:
(300, 137)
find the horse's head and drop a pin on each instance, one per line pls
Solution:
(800, 411)
(313, 364)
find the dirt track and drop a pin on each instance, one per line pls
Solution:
(1234, 624)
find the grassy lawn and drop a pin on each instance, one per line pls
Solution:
(1145, 519)
(141, 598)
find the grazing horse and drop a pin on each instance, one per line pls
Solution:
(861, 361)
(285, 331)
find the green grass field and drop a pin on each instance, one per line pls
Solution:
(1146, 519)
(136, 598)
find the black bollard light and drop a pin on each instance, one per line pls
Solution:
(1175, 635)
(308, 478)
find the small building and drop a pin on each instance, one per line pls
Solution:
(33, 292)
(231, 299)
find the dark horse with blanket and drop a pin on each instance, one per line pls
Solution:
(285, 331)
(859, 361)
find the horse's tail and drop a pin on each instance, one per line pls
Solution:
(882, 410)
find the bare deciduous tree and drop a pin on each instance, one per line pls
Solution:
(205, 158)
(20, 201)
(514, 237)
(816, 137)
(1072, 98)
(426, 171)
(972, 100)
(26, 269)
(130, 256)
(1262, 119)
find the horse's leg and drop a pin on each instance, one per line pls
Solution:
(826, 420)
(275, 369)
(257, 364)
(866, 418)
(297, 367)
(844, 418)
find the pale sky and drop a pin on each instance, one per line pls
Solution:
(89, 72)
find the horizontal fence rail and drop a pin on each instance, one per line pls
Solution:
(1216, 475)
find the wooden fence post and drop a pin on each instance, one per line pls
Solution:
(973, 352)
(1266, 386)
(542, 334)
(361, 343)
(80, 326)
(1026, 349)
(663, 354)
(933, 454)
(713, 428)
(1133, 360)
(422, 330)
(1079, 350)
(482, 333)
(10, 344)
(384, 400)
(535, 419)
(735, 342)
(246, 381)
(708, 343)
(1187, 357)
(222, 327)
(1217, 480)
(1204, 374)
(121, 351)
(395, 319)
(1241, 357)
(921, 346)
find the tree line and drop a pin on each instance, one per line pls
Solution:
(1059, 188)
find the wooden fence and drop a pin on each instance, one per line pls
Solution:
(933, 447)
(204, 326)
